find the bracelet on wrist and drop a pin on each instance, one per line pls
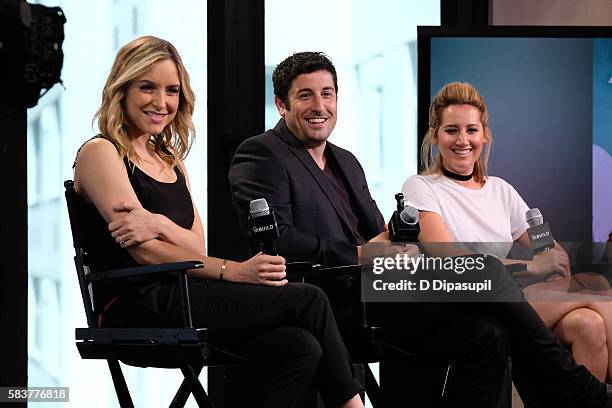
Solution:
(222, 269)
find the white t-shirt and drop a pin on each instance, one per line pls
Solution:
(493, 216)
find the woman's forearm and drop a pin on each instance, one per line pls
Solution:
(173, 234)
(156, 252)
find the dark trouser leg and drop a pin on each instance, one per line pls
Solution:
(529, 395)
(237, 314)
(551, 368)
(291, 356)
(548, 366)
(545, 363)
(479, 345)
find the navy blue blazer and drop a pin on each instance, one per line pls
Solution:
(313, 226)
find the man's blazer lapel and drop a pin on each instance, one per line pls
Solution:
(355, 185)
(296, 147)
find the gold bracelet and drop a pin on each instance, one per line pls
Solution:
(223, 266)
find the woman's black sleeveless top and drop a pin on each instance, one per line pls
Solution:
(170, 199)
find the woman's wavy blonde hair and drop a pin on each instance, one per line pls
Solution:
(132, 61)
(455, 93)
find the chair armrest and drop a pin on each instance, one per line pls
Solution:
(342, 284)
(296, 271)
(353, 271)
(141, 335)
(145, 270)
(302, 266)
(149, 270)
(311, 272)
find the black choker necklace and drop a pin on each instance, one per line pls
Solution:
(456, 176)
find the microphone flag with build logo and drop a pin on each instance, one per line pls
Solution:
(404, 223)
(539, 232)
(263, 226)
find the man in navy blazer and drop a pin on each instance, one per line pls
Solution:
(313, 221)
(323, 206)
(325, 213)
(318, 190)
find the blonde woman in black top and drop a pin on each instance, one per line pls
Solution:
(140, 212)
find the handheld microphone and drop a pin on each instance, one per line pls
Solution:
(263, 226)
(404, 223)
(539, 232)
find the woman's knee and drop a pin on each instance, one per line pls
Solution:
(585, 326)
(301, 345)
(491, 335)
(312, 294)
(311, 289)
(283, 345)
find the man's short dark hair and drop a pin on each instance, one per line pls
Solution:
(297, 64)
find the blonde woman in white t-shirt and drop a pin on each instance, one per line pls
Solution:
(459, 202)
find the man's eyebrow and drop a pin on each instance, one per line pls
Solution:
(327, 88)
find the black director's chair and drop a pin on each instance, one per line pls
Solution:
(182, 347)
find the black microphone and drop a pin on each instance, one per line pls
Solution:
(404, 223)
(539, 232)
(263, 226)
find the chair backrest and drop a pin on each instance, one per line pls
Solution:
(75, 209)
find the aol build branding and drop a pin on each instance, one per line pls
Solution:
(541, 235)
(264, 228)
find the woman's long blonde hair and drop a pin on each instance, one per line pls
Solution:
(455, 93)
(132, 61)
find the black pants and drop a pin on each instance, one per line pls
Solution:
(289, 331)
(479, 336)
(476, 344)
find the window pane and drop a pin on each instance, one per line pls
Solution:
(373, 47)
(57, 126)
